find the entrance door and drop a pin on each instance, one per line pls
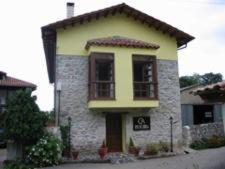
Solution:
(114, 132)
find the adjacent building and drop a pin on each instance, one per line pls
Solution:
(115, 73)
(10, 84)
(202, 110)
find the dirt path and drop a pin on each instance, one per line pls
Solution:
(205, 159)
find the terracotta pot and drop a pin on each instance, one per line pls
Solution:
(102, 152)
(134, 150)
(66, 153)
(75, 154)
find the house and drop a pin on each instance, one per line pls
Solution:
(205, 118)
(115, 74)
(9, 85)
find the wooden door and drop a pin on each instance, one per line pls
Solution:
(114, 132)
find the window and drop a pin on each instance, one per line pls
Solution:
(101, 76)
(144, 77)
(203, 114)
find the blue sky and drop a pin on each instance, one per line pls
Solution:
(22, 53)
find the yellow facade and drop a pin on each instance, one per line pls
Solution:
(123, 79)
(72, 41)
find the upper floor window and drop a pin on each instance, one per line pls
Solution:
(101, 76)
(145, 77)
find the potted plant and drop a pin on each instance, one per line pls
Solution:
(102, 151)
(151, 149)
(132, 148)
(74, 153)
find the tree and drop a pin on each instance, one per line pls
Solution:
(209, 78)
(23, 122)
(205, 79)
(189, 80)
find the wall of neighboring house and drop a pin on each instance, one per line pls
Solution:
(204, 119)
(88, 125)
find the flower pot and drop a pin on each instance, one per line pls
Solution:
(102, 152)
(134, 150)
(75, 154)
(66, 153)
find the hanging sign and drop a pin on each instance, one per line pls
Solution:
(141, 123)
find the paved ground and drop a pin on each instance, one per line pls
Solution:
(205, 159)
(2, 156)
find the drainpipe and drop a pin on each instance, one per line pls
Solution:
(223, 115)
(58, 90)
(171, 134)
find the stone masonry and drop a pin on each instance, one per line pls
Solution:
(169, 96)
(88, 127)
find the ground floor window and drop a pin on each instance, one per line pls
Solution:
(203, 114)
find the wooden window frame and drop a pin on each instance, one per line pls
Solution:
(146, 59)
(92, 74)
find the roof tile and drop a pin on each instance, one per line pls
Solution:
(120, 41)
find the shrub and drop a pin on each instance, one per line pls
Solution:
(214, 142)
(47, 152)
(23, 122)
(163, 146)
(65, 137)
(131, 142)
(199, 145)
(152, 149)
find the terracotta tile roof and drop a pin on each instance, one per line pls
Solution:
(49, 31)
(120, 41)
(220, 86)
(13, 82)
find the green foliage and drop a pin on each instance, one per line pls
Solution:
(131, 142)
(213, 142)
(23, 121)
(65, 137)
(152, 149)
(163, 146)
(47, 152)
(189, 80)
(205, 79)
(210, 78)
(18, 164)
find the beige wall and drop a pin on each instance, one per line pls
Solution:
(187, 98)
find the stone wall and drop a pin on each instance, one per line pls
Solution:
(169, 97)
(88, 128)
(206, 130)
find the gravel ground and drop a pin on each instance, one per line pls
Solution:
(205, 159)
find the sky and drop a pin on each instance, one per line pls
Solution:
(22, 54)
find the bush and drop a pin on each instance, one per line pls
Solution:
(131, 142)
(152, 149)
(65, 137)
(199, 145)
(163, 146)
(47, 152)
(23, 122)
(213, 142)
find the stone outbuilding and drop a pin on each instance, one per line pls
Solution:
(202, 110)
